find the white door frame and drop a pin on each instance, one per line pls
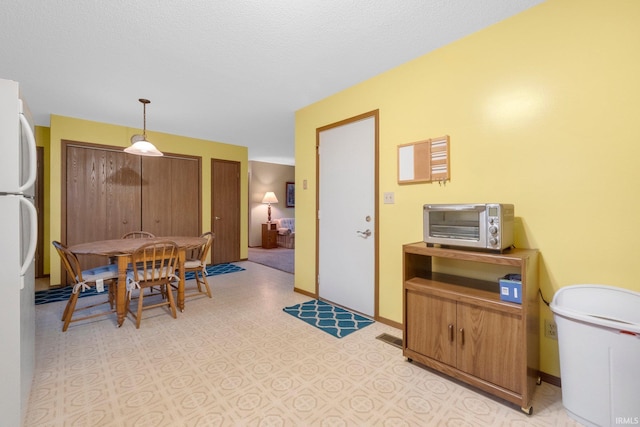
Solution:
(375, 226)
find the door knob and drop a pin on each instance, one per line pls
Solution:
(365, 233)
(217, 218)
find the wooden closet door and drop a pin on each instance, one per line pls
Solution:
(171, 196)
(101, 196)
(225, 211)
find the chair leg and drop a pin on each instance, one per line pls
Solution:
(68, 312)
(172, 304)
(112, 294)
(66, 309)
(140, 306)
(204, 282)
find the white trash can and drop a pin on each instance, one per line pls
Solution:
(599, 342)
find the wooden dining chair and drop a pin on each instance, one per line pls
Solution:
(84, 280)
(197, 263)
(132, 235)
(153, 266)
(138, 235)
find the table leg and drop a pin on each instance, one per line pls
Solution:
(121, 290)
(181, 260)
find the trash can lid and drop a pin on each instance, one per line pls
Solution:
(602, 305)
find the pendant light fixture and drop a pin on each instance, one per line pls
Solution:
(139, 144)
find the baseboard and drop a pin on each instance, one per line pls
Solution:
(548, 378)
(303, 292)
(388, 322)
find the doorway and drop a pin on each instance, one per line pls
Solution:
(347, 225)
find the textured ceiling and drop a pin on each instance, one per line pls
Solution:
(233, 71)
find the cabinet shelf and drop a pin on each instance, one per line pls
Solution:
(465, 289)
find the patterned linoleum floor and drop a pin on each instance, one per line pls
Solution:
(239, 360)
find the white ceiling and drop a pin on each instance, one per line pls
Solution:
(232, 71)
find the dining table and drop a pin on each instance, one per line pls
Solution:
(123, 250)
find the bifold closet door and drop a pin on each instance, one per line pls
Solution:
(171, 196)
(101, 197)
(108, 193)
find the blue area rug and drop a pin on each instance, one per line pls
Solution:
(329, 318)
(62, 294)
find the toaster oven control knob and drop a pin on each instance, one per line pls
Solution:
(493, 241)
(493, 229)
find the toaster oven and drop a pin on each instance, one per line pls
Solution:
(486, 226)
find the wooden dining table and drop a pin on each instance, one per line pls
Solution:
(123, 250)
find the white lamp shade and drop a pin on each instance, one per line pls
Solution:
(270, 197)
(143, 148)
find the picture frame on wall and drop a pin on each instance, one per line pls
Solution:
(290, 194)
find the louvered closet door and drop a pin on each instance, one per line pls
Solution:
(171, 196)
(102, 196)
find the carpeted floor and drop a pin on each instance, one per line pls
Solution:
(278, 258)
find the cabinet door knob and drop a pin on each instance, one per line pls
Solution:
(451, 337)
(461, 336)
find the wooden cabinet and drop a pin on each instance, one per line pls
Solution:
(456, 323)
(269, 236)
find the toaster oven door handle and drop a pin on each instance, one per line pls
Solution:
(457, 208)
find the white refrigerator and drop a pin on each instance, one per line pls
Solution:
(18, 235)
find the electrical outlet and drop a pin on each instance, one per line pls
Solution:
(550, 329)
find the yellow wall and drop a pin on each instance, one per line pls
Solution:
(543, 111)
(66, 128)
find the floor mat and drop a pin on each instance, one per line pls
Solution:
(63, 293)
(333, 320)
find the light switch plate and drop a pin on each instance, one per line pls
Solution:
(389, 198)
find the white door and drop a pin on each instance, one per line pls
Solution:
(346, 213)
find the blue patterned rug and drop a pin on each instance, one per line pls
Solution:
(62, 294)
(329, 318)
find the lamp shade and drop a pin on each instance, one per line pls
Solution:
(270, 197)
(143, 148)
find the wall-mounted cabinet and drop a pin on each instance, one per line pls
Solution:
(458, 325)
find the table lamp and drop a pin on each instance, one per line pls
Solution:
(269, 198)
